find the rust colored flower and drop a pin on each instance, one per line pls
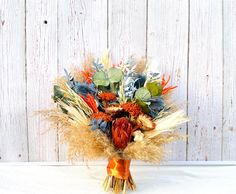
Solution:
(122, 130)
(101, 115)
(89, 99)
(164, 83)
(132, 108)
(107, 96)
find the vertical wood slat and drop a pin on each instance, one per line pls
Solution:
(13, 120)
(229, 90)
(168, 46)
(82, 29)
(205, 80)
(41, 30)
(83, 26)
(127, 29)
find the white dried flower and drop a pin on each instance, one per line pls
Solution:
(138, 136)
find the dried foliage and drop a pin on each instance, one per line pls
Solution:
(150, 150)
(168, 123)
(121, 111)
(74, 129)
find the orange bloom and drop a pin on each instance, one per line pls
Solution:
(164, 83)
(101, 115)
(107, 96)
(87, 73)
(122, 130)
(132, 108)
(89, 99)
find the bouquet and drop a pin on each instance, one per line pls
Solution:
(117, 112)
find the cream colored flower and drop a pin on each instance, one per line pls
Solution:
(138, 136)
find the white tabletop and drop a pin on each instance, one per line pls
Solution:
(64, 179)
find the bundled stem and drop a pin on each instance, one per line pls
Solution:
(118, 185)
(118, 177)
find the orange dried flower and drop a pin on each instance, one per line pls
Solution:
(164, 83)
(132, 108)
(87, 73)
(89, 99)
(101, 115)
(107, 96)
(122, 130)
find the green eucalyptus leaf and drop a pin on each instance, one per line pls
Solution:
(154, 88)
(143, 105)
(115, 75)
(142, 94)
(100, 79)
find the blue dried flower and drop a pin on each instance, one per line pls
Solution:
(83, 88)
(97, 66)
(100, 124)
(139, 82)
(156, 105)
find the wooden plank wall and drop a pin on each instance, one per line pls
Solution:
(192, 40)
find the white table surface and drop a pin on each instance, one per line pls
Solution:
(63, 179)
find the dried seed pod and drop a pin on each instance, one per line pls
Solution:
(145, 122)
(113, 109)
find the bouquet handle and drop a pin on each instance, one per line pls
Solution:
(118, 176)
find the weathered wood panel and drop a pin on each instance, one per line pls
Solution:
(205, 80)
(13, 120)
(127, 28)
(167, 47)
(82, 29)
(229, 90)
(41, 44)
(193, 41)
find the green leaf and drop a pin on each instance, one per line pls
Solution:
(100, 79)
(58, 93)
(115, 75)
(63, 110)
(154, 88)
(143, 105)
(142, 94)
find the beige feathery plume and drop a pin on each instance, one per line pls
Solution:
(145, 150)
(86, 64)
(168, 123)
(76, 72)
(75, 131)
(61, 82)
(106, 59)
(141, 65)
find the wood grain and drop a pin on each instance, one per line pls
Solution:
(127, 29)
(229, 90)
(192, 40)
(41, 30)
(205, 80)
(13, 120)
(82, 29)
(167, 48)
